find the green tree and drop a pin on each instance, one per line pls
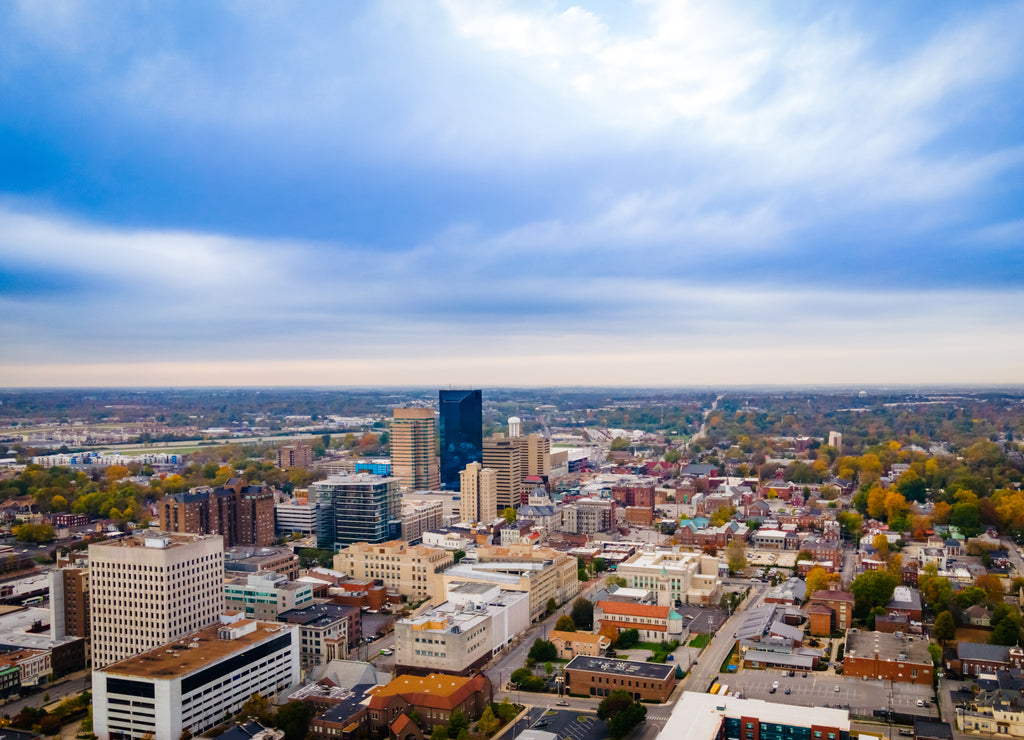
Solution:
(549, 668)
(945, 627)
(458, 555)
(583, 613)
(627, 638)
(565, 624)
(294, 719)
(258, 706)
(488, 724)
(600, 565)
(440, 732)
(621, 712)
(509, 514)
(457, 723)
(542, 650)
(872, 588)
(619, 444)
(551, 605)
(506, 711)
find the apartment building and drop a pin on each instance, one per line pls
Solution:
(419, 516)
(69, 602)
(357, 508)
(243, 515)
(413, 448)
(589, 516)
(193, 683)
(478, 486)
(149, 589)
(296, 455)
(296, 515)
(410, 570)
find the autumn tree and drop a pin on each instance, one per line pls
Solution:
(873, 588)
(818, 579)
(565, 624)
(736, 555)
(945, 627)
(992, 585)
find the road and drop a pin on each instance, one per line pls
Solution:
(707, 667)
(704, 422)
(57, 691)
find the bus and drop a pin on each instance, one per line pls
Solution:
(33, 600)
(715, 689)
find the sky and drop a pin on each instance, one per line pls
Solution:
(480, 192)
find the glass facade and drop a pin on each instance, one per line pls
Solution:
(357, 508)
(462, 433)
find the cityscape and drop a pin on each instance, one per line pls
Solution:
(475, 563)
(506, 370)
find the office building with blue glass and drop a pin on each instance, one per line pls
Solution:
(462, 433)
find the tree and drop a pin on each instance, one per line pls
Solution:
(818, 579)
(1006, 625)
(851, 524)
(509, 515)
(458, 555)
(565, 624)
(991, 585)
(627, 638)
(258, 707)
(549, 668)
(881, 543)
(722, 515)
(873, 588)
(543, 650)
(945, 627)
(294, 719)
(736, 555)
(506, 711)
(440, 732)
(600, 565)
(936, 590)
(488, 724)
(616, 581)
(551, 605)
(619, 444)
(804, 555)
(457, 723)
(583, 612)
(621, 712)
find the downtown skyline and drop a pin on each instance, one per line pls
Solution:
(489, 193)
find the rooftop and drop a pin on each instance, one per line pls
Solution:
(615, 667)
(192, 653)
(888, 647)
(699, 716)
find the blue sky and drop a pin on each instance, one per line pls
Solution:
(485, 192)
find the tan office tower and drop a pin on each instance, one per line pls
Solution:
(534, 455)
(502, 455)
(478, 502)
(413, 449)
(149, 589)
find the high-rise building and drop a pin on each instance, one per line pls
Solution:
(478, 502)
(149, 589)
(357, 508)
(835, 439)
(413, 451)
(243, 515)
(296, 455)
(502, 455)
(534, 455)
(462, 433)
(69, 602)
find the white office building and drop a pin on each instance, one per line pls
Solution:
(191, 684)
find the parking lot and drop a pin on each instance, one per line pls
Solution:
(819, 690)
(704, 621)
(565, 723)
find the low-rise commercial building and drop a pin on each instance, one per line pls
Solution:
(711, 717)
(571, 644)
(191, 684)
(433, 698)
(462, 634)
(891, 657)
(326, 632)
(674, 576)
(586, 676)
(543, 573)
(414, 571)
(240, 561)
(265, 595)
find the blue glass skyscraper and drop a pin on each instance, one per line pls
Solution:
(462, 433)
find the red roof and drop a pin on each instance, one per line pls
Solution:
(634, 610)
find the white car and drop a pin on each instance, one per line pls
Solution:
(775, 684)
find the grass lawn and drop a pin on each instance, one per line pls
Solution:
(700, 641)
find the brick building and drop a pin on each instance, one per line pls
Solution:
(890, 657)
(586, 676)
(243, 515)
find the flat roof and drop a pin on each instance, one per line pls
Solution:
(178, 659)
(699, 716)
(887, 646)
(612, 666)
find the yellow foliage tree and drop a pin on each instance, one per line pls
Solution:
(941, 512)
(876, 503)
(881, 543)
(116, 473)
(818, 579)
(896, 506)
(58, 503)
